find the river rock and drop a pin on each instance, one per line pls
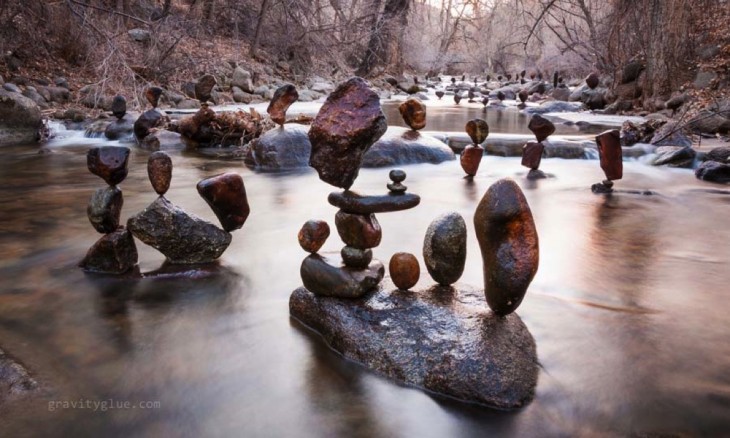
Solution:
(355, 257)
(404, 270)
(348, 123)
(674, 156)
(327, 276)
(541, 127)
(532, 155)
(361, 231)
(444, 341)
(226, 196)
(182, 237)
(610, 153)
(108, 163)
(444, 248)
(592, 80)
(352, 202)
(159, 170)
(439, 94)
(398, 146)
(313, 235)
(20, 119)
(120, 129)
(713, 171)
(413, 112)
(669, 135)
(149, 119)
(284, 96)
(284, 147)
(104, 208)
(242, 79)
(204, 87)
(720, 154)
(471, 158)
(478, 130)
(152, 94)
(523, 95)
(114, 253)
(508, 241)
(554, 106)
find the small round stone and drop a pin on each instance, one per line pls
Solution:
(397, 188)
(404, 270)
(313, 235)
(356, 258)
(397, 175)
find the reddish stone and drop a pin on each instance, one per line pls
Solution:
(284, 96)
(148, 120)
(226, 195)
(523, 96)
(109, 163)
(592, 80)
(153, 96)
(609, 150)
(471, 158)
(404, 270)
(348, 123)
(478, 130)
(541, 127)
(313, 235)
(159, 169)
(532, 154)
(361, 231)
(413, 112)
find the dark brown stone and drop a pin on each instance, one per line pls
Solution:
(119, 106)
(159, 169)
(204, 87)
(485, 100)
(532, 154)
(355, 257)
(508, 241)
(444, 248)
(592, 80)
(226, 195)
(348, 123)
(522, 96)
(610, 152)
(104, 208)
(284, 96)
(313, 235)
(413, 112)
(326, 276)
(457, 98)
(152, 94)
(541, 127)
(149, 119)
(355, 203)
(439, 94)
(478, 130)
(114, 253)
(360, 231)
(109, 163)
(471, 158)
(404, 270)
(501, 96)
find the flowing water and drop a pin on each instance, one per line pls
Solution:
(628, 309)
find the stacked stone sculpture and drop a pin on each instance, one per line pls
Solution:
(284, 96)
(471, 156)
(115, 252)
(150, 119)
(532, 151)
(119, 106)
(611, 156)
(413, 112)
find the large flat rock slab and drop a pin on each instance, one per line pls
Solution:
(441, 339)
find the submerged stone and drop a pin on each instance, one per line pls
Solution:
(104, 209)
(109, 163)
(327, 276)
(114, 253)
(352, 202)
(444, 248)
(226, 196)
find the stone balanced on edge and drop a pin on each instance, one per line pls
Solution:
(611, 155)
(532, 151)
(471, 156)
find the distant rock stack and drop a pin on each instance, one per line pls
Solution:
(440, 94)
(471, 156)
(119, 106)
(611, 156)
(532, 151)
(457, 98)
(151, 119)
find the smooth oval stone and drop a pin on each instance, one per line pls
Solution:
(204, 87)
(508, 241)
(326, 276)
(413, 112)
(360, 231)
(159, 169)
(397, 175)
(355, 257)
(532, 154)
(226, 195)
(592, 80)
(397, 188)
(478, 130)
(611, 154)
(348, 123)
(114, 253)
(313, 235)
(152, 94)
(352, 202)
(284, 96)
(522, 95)
(109, 163)
(444, 248)
(404, 270)
(119, 106)
(104, 208)
(439, 94)
(471, 158)
(541, 127)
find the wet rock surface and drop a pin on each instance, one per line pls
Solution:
(104, 209)
(285, 147)
(398, 147)
(444, 248)
(328, 276)
(352, 202)
(114, 253)
(313, 235)
(675, 156)
(120, 129)
(440, 339)
(159, 170)
(284, 96)
(361, 231)
(712, 171)
(108, 163)
(413, 112)
(226, 196)
(20, 118)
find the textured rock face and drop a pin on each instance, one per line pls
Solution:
(204, 87)
(439, 339)
(327, 276)
(226, 195)
(611, 154)
(409, 147)
(675, 156)
(104, 208)
(413, 112)
(159, 170)
(114, 253)
(348, 123)
(284, 96)
(361, 231)
(444, 248)
(471, 158)
(713, 171)
(14, 377)
(352, 202)
(285, 147)
(180, 236)
(404, 270)
(147, 121)
(478, 130)
(532, 154)
(20, 118)
(508, 241)
(541, 127)
(108, 163)
(313, 235)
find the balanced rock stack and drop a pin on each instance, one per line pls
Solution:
(532, 151)
(150, 119)
(471, 156)
(115, 252)
(611, 156)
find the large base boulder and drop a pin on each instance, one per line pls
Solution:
(114, 253)
(283, 147)
(713, 171)
(440, 339)
(399, 146)
(20, 119)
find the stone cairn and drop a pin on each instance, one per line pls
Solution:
(338, 144)
(532, 151)
(471, 156)
(115, 252)
(611, 156)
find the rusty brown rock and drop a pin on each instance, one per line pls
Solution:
(532, 154)
(541, 127)
(413, 112)
(361, 231)
(609, 150)
(348, 123)
(508, 241)
(226, 195)
(313, 235)
(109, 163)
(152, 94)
(159, 170)
(478, 130)
(404, 270)
(284, 96)
(471, 158)
(204, 87)
(592, 80)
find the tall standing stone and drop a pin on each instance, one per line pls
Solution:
(611, 154)
(159, 170)
(444, 248)
(226, 195)
(348, 123)
(284, 96)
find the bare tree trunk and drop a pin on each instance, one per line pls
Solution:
(383, 35)
(257, 32)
